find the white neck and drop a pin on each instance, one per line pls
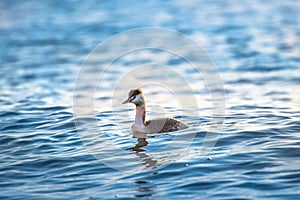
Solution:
(140, 115)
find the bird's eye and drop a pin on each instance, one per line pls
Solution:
(132, 98)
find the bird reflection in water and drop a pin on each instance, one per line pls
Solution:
(147, 160)
(145, 189)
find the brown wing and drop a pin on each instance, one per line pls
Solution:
(165, 125)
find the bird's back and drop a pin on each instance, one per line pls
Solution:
(164, 125)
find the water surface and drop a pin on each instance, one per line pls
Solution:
(256, 49)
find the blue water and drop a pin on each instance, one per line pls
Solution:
(255, 46)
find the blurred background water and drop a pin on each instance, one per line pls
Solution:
(255, 46)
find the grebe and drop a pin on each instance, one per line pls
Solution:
(159, 125)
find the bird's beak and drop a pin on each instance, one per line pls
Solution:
(126, 101)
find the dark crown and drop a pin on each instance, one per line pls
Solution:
(134, 92)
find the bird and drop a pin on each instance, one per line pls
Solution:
(158, 125)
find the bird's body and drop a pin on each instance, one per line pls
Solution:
(152, 126)
(159, 125)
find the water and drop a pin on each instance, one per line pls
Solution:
(256, 48)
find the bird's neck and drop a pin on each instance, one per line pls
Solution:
(140, 115)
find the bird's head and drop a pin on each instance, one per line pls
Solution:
(136, 97)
